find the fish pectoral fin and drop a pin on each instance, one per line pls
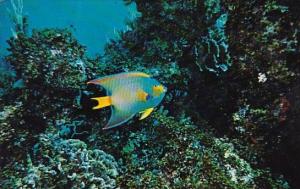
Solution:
(146, 113)
(102, 102)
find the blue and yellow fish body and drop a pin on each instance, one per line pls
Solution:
(128, 94)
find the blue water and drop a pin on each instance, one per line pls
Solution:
(94, 21)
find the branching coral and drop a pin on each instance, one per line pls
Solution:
(18, 18)
(212, 51)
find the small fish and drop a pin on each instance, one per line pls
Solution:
(128, 94)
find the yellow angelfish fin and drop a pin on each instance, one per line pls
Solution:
(142, 95)
(102, 102)
(146, 113)
(158, 89)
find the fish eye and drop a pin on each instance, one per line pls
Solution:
(148, 97)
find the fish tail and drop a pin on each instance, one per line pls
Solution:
(102, 102)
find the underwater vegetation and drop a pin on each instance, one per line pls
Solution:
(228, 120)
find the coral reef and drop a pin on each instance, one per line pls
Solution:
(51, 58)
(251, 102)
(177, 154)
(45, 89)
(62, 163)
(232, 102)
(52, 67)
(18, 18)
(263, 80)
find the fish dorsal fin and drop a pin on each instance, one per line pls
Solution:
(113, 81)
(146, 113)
(118, 117)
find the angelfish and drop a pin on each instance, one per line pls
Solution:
(129, 93)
